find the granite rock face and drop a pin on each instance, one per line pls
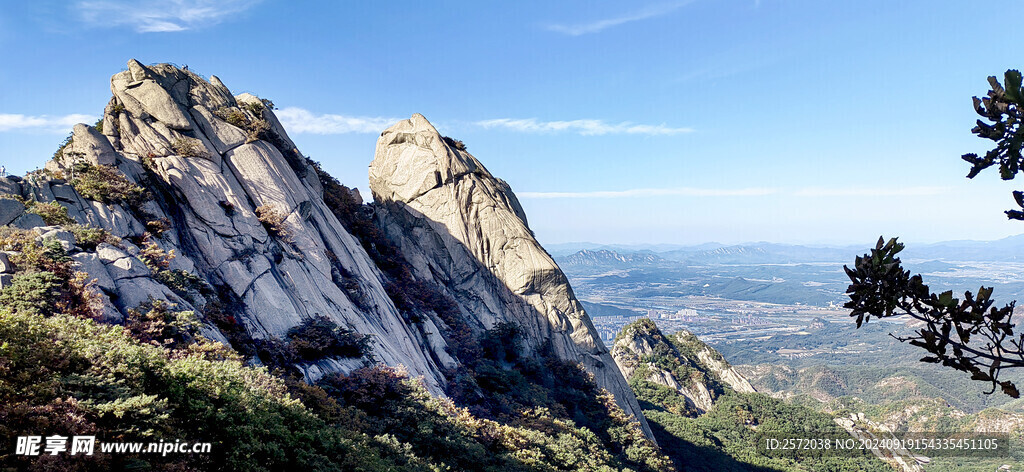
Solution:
(462, 228)
(214, 166)
(209, 160)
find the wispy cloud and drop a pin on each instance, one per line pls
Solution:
(44, 123)
(299, 120)
(160, 16)
(655, 192)
(871, 191)
(651, 11)
(582, 127)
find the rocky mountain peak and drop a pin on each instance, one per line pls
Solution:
(186, 194)
(464, 229)
(217, 187)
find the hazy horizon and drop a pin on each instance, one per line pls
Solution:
(840, 244)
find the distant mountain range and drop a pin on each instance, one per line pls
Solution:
(1008, 249)
(603, 257)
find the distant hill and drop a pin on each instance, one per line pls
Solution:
(1008, 249)
(600, 309)
(605, 257)
(565, 249)
(762, 253)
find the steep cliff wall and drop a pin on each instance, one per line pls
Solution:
(464, 229)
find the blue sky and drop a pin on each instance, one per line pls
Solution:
(615, 122)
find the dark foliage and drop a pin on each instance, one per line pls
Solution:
(355, 217)
(970, 335)
(33, 292)
(158, 226)
(319, 337)
(455, 143)
(156, 323)
(1002, 107)
(53, 213)
(67, 376)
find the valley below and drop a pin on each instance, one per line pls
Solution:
(779, 319)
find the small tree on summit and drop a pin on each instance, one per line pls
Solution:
(970, 335)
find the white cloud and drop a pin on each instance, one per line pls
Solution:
(586, 127)
(596, 26)
(160, 16)
(654, 192)
(871, 192)
(45, 123)
(299, 120)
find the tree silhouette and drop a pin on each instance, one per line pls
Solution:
(970, 335)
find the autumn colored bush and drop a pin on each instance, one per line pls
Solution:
(52, 213)
(319, 337)
(106, 184)
(273, 221)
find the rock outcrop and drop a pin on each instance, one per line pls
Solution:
(209, 206)
(713, 362)
(679, 361)
(462, 228)
(209, 160)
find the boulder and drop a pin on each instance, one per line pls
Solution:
(158, 103)
(119, 86)
(10, 210)
(212, 95)
(93, 146)
(65, 193)
(120, 264)
(67, 240)
(136, 291)
(91, 264)
(28, 221)
(9, 186)
(5, 264)
(109, 119)
(222, 135)
(109, 312)
(138, 71)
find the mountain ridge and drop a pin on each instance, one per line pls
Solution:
(200, 200)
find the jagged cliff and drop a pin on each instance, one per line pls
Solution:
(464, 229)
(215, 192)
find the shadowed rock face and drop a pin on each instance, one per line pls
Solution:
(464, 229)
